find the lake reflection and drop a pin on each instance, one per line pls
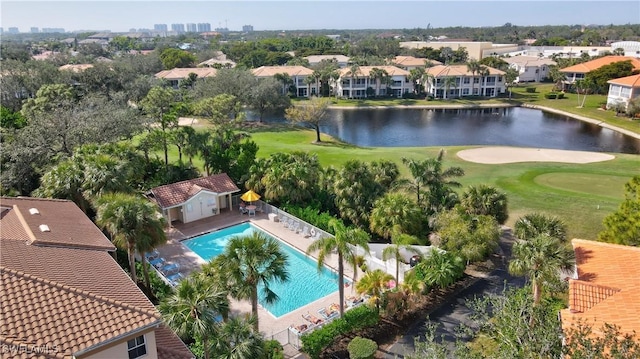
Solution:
(514, 126)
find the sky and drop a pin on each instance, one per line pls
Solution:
(117, 15)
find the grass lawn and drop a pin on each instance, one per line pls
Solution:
(581, 194)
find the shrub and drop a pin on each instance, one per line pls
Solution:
(311, 215)
(531, 89)
(551, 95)
(362, 348)
(273, 349)
(357, 318)
(560, 95)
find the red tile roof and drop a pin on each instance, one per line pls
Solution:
(67, 293)
(68, 225)
(607, 289)
(457, 70)
(364, 71)
(269, 71)
(174, 194)
(589, 66)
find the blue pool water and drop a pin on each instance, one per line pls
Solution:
(305, 285)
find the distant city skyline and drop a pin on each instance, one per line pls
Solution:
(121, 16)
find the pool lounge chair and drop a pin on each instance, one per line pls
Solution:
(294, 226)
(169, 269)
(312, 319)
(174, 279)
(158, 262)
(300, 329)
(305, 232)
(328, 314)
(153, 255)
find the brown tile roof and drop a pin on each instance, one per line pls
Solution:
(268, 71)
(529, 60)
(183, 73)
(169, 345)
(173, 194)
(364, 71)
(457, 70)
(59, 292)
(630, 81)
(67, 224)
(589, 66)
(39, 311)
(413, 61)
(607, 289)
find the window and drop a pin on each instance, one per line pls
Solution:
(476, 80)
(466, 80)
(465, 91)
(136, 347)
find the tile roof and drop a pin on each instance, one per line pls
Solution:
(317, 58)
(457, 70)
(631, 81)
(528, 60)
(173, 194)
(39, 311)
(183, 73)
(413, 61)
(607, 289)
(364, 71)
(67, 224)
(268, 71)
(62, 292)
(589, 66)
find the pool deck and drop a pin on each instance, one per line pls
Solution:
(175, 251)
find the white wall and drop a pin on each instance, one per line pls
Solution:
(202, 205)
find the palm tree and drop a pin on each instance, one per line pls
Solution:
(418, 169)
(381, 76)
(541, 258)
(129, 219)
(440, 184)
(250, 261)
(192, 309)
(399, 242)
(152, 237)
(447, 83)
(343, 242)
(473, 66)
(374, 283)
(238, 339)
(395, 212)
(483, 72)
(353, 72)
(485, 200)
(535, 224)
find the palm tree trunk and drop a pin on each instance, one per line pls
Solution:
(318, 134)
(254, 305)
(536, 292)
(205, 345)
(132, 262)
(341, 283)
(145, 272)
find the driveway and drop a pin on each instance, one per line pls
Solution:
(450, 315)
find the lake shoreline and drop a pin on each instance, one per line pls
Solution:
(505, 105)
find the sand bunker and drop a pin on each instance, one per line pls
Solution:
(497, 155)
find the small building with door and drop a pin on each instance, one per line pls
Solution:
(195, 199)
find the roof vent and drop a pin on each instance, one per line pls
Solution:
(34, 211)
(44, 228)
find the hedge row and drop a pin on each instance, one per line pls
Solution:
(354, 319)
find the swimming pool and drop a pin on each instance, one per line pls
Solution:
(305, 283)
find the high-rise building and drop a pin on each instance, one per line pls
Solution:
(204, 27)
(35, 30)
(160, 27)
(192, 28)
(13, 30)
(247, 28)
(179, 28)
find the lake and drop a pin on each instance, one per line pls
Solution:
(514, 126)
